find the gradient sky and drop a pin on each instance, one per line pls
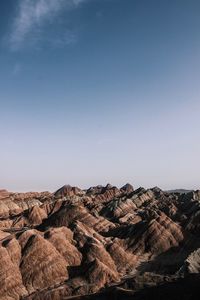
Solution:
(97, 91)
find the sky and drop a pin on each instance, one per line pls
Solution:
(98, 91)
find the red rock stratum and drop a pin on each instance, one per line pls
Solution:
(101, 243)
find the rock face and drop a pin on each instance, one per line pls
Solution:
(77, 242)
(11, 286)
(67, 191)
(192, 263)
(42, 265)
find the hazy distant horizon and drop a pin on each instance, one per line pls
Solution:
(52, 190)
(98, 91)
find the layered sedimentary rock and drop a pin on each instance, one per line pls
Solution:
(11, 285)
(75, 242)
(41, 265)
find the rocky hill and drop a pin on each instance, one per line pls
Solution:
(101, 243)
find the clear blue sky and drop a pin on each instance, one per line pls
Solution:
(97, 91)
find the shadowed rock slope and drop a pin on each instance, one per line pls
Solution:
(101, 243)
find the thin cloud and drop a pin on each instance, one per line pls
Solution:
(32, 15)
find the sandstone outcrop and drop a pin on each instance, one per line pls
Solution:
(114, 242)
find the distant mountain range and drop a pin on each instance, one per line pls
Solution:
(101, 243)
(180, 191)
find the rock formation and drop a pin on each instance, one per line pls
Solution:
(119, 243)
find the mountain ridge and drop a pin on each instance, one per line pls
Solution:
(76, 242)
